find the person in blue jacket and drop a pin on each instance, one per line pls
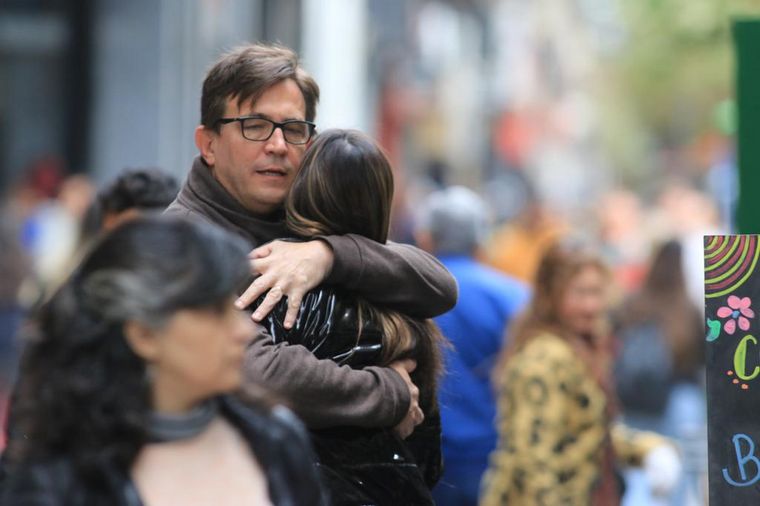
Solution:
(453, 223)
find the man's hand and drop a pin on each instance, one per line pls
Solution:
(414, 416)
(289, 269)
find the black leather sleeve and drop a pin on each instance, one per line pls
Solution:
(328, 325)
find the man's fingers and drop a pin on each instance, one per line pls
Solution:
(253, 292)
(415, 393)
(259, 266)
(261, 251)
(408, 364)
(419, 416)
(273, 297)
(414, 417)
(294, 304)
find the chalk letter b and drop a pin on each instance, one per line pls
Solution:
(742, 460)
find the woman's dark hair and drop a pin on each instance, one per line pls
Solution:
(664, 300)
(83, 392)
(143, 189)
(344, 186)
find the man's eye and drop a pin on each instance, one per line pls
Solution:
(296, 129)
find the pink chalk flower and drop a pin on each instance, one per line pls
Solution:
(737, 311)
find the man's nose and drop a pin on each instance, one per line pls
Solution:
(276, 142)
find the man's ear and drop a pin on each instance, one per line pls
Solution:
(142, 340)
(205, 141)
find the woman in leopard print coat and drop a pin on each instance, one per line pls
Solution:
(556, 441)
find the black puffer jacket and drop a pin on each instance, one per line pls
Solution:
(361, 466)
(276, 438)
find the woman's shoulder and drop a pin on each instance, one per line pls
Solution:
(545, 356)
(547, 345)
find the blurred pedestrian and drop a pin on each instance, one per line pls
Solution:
(516, 246)
(453, 224)
(661, 336)
(14, 269)
(124, 393)
(659, 368)
(257, 111)
(557, 444)
(132, 192)
(345, 185)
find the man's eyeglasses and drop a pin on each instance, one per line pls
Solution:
(261, 129)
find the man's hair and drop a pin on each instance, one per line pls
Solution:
(245, 72)
(457, 219)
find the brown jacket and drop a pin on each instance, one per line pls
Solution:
(396, 276)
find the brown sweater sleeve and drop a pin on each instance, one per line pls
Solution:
(324, 394)
(392, 275)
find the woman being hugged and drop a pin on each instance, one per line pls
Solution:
(556, 405)
(124, 395)
(345, 187)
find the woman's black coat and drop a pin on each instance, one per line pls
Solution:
(276, 438)
(360, 466)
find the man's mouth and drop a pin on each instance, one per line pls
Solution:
(271, 171)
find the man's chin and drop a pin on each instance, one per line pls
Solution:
(265, 205)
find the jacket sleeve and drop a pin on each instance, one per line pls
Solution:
(393, 275)
(324, 394)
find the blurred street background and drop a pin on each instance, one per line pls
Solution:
(611, 119)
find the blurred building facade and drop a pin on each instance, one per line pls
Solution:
(492, 94)
(103, 84)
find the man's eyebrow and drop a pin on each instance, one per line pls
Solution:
(266, 116)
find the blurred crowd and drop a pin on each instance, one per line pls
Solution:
(653, 250)
(570, 370)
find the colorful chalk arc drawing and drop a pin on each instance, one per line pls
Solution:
(732, 368)
(729, 262)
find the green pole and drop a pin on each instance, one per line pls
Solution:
(747, 46)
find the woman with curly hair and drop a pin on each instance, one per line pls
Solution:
(556, 403)
(125, 389)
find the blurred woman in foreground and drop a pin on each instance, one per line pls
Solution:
(556, 401)
(123, 396)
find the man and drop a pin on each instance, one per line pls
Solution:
(257, 112)
(453, 225)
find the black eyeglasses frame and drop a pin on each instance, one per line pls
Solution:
(275, 125)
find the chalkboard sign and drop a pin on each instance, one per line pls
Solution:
(732, 303)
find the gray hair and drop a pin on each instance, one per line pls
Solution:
(149, 268)
(457, 219)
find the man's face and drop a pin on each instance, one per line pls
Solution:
(258, 173)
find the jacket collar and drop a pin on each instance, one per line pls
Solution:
(204, 194)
